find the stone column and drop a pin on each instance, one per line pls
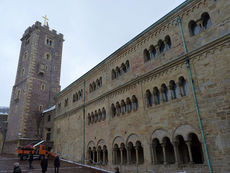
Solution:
(163, 145)
(153, 148)
(122, 160)
(103, 159)
(114, 161)
(94, 156)
(128, 155)
(188, 143)
(137, 155)
(176, 153)
(98, 156)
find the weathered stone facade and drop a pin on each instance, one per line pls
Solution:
(37, 82)
(136, 109)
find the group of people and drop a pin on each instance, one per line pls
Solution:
(44, 164)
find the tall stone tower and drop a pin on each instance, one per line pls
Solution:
(37, 82)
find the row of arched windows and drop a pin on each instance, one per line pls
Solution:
(195, 27)
(78, 95)
(166, 92)
(124, 68)
(97, 116)
(133, 153)
(161, 47)
(124, 106)
(98, 155)
(95, 85)
(178, 151)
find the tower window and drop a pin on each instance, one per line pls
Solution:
(27, 41)
(48, 56)
(22, 72)
(43, 87)
(49, 42)
(25, 55)
(40, 108)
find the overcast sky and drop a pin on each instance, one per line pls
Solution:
(92, 29)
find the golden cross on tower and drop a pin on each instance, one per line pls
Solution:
(45, 20)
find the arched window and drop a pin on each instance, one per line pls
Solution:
(113, 110)
(124, 153)
(113, 74)
(146, 55)
(197, 155)
(98, 83)
(95, 116)
(74, 97)
(153, 51)
(77, 97)
(182, 149)
(127, 65)
(123, 107)
(79, 94)
(117, 154)
(140, 152)
(95, 155)
(172, 87)
(149, 98)
(168, 42)
(92, 118)
(89, 119)
(135, 102)
(90, 155)
(132, 152)
(169, 151)
(94, 86)
(156, 95)
(157, 152)
(90, 88)
(105, 159)
(123, 67)
(118, 72)
(183, 86)
(193, 28)
(206, 20)
(129, 104)
(99, 115)
(164, 92)
(161, 45)
(103, 113)
(118, 108)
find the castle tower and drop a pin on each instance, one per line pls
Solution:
(37, 82)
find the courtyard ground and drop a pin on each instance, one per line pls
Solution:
(7, 164)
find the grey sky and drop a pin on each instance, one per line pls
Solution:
(93, 29)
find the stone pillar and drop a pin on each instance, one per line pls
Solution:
(176, 153)
(128, 155)
(163, 145)
(114, 158)
(188, 143)
(94, 156)
(103, 159)
(153, 148)
(121, 151)
(137, 155)
(98, 156)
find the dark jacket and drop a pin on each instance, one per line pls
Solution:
(31, 158)
(44, 164)
(17, 170)
(56, 162)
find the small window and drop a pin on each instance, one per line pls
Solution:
(168, 42)
(206, 21)
(40, 108)
(25, 55)
(66, 102)
(49, 117)
(49, 42)
(27, 41)
(194, 28)
(47, 56)
(22, 72)
(153, 51)
(146, 55)
(161, 45)
(43, 87)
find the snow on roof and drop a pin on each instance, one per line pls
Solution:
(50, 109)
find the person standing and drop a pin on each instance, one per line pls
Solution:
(56, 164)
(17, 168)
(30, 159)
(116, 170)
(44, 164)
